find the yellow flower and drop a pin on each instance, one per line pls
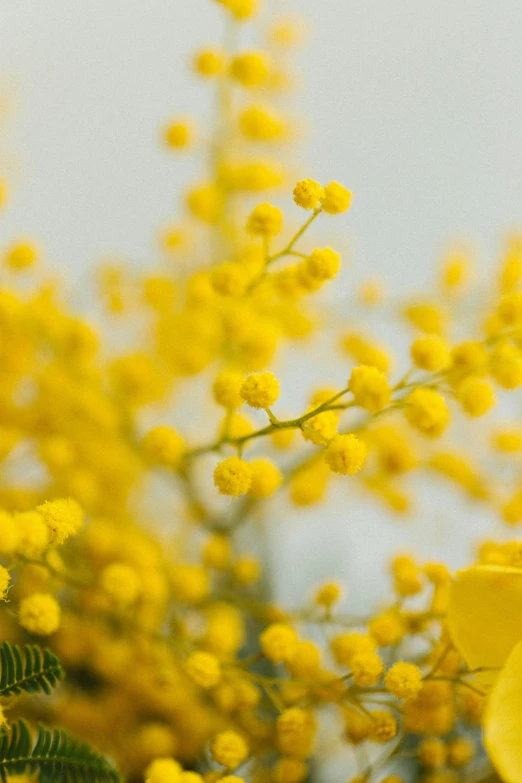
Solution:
(369, 387)
(40, 614)
(308, 194)
(163, 446)
(120, 583)
(426, 411)
(346, 454)
(336, 198)
(265, 220)
(5, 578)
(21, 256)
(250, 69)
(260, 124)
(226, 389)
(229, 749)
(323, 264)
(403, 680)
(430, 352)
(209, 62)
(178, 135)
(204, 669)
(279, 642)
(64, 518)
(260, 389)
(163, 770)
(266, 478)
(233, 476)
(476, 396)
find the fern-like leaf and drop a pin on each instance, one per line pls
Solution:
(35, 670)
(54, 755)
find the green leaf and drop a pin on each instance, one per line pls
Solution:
(54, 755)
(35, 670)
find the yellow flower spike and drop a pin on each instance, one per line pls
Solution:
(485, 607)
(502, 722)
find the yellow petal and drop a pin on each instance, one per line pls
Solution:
(503, 720)
(485, 615)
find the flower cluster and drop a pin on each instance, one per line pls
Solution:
(122, 508)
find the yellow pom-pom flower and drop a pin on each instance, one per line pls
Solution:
(323, 264)
(163, 446)
(260, 389)
(426, 411)
(40, 614)
(178, 135)
(430, 352)
(250, 69)
(21, 256)
(346, 454)
(229, 749)
(279, 642)
(476, 396)
(120, 583)
(64, 518)
(226, 389)
(266, 478)
(163, 770)
(403, 680)
(369, 387)
(233, 476)
(336, 198)
(209, 62)
(265, 220)
(5, 578)
(308, 193)
(204, 669)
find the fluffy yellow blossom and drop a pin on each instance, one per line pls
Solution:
(387, 629)
(260, 124)
(461, 751)
(384, 726)
(178, 135)
(369, 387)
(407, 575)
(367, 668)
(426, 411)
(217, 552)
(265, 220)
(247, 570)
(346, 454)
(240, 9)
(163, 446)
(64, 518)
(204, 669)
(120, 583)
(328, 594)
(430, 352)
(205, 202)
(476, 396)
(9, 533)
(508, 440)
(323, 264)
(432, 753)
(209, 62)
(5, 578)
(229, 749)
(289, 770)
(308, 193)
(230, 279)
(250, 69)
(260, 389)
(506, 366)
(33, 534)
(163, 770)
(321, 428)
(39, 614)
(403, 680)
(266, 478)
(336, 198)
(226, 389)
(346, 646)
(279, 642)
(233, 476)
(21, 256)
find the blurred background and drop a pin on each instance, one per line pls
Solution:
(416, 106)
